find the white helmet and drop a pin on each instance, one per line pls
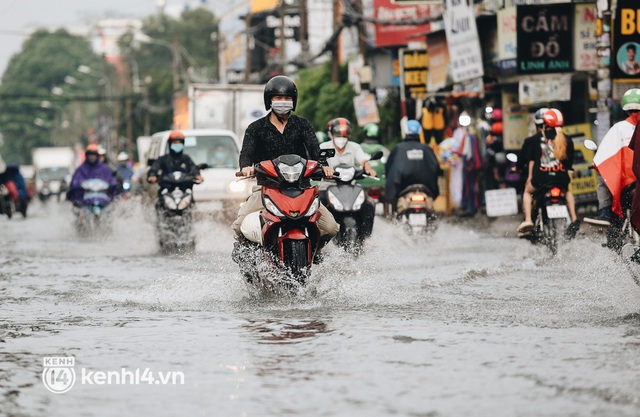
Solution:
(537, 118)
(123, 156)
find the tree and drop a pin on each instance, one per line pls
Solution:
(46, 59)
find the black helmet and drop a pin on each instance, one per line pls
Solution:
(280, 86)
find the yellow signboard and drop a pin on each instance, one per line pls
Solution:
(258, 6)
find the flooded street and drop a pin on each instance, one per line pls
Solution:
(468, 323)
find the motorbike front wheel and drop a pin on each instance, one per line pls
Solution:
(296, 260)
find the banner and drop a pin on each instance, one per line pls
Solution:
(545, 41)
(507, 39)
(584, 34)
(625, 62)
(545, 90)
(398, 35)
(462, 40)
(414, 66)
(438, 61)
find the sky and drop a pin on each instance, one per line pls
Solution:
(22, 16)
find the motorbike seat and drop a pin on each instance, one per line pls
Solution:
(417, 188)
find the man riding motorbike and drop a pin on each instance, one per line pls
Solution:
(91, 168)
(276, 134)
(175, 160)
(614, 161)
(549, 161)
(411, 162)
(123, 171)
(349, 153)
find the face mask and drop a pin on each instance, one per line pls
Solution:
(220, 155)
(550, 133)
(282, 107)
(92, 159)
(177, 147)
(340, 142)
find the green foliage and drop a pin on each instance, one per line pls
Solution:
(44, 62)
(320, 100)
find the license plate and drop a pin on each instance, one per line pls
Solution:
(417, 219)
(557, 212)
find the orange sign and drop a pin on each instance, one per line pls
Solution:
(262, 5)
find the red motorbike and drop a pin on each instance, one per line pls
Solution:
(284, 235)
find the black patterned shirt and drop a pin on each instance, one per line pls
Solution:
(262, 141)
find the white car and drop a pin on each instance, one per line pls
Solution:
(220, 150)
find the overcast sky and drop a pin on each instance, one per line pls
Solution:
(20, 16)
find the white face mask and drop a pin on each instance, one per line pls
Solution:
(340, 142)
(281, 107)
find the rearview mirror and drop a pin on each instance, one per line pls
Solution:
(150, 161)
(512, 157)
(591, 145)
(327, 153)
(203, 166)
(376, 155)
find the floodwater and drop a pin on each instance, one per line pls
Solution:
(471, 322)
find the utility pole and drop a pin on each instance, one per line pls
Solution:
(282, 37)
(362, 35)
(335, 49)
(247, 57)
(304, 29)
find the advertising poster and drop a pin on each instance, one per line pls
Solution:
(545, 38)
(507, 39)
(366, 109)
(625, 55)
(462, 40)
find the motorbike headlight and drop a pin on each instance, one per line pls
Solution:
(313, 208)
(185, 202)
(291, 173)
(333, 200)
(346, 174)
(359, 200)
(271, 207)
(126, 186)
(237, 186)
(170, 203)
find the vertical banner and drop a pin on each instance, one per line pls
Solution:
(625, 55)
(584, 35)
(515, 121)
(507, 39)
(366, 109)
(545, 38)
(414, 65)
(462, 40)
(438, 61)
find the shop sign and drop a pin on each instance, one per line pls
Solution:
(462, 40)
(544, 90)
(414, 67)
(625, 62)
(545, 38)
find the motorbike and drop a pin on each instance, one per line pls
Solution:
(283, 237)
(415, 210)
(91, 214)
(174, 209)
(550, 216)
(351, 206)
(7, 204)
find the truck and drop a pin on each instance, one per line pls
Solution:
(53, 168)
(219, 106)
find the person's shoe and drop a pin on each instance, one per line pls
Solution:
(572, 229)
(602, 219)
(525, 227)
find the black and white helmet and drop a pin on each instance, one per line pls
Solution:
(280, 86)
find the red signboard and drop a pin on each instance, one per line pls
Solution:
(398, 35)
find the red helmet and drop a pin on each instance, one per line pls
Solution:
(496, 115)
(175, 135)
(339, 127)
(497, 128)
(553, 118)
(92, 148)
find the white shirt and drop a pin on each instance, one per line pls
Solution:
(353, 154)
